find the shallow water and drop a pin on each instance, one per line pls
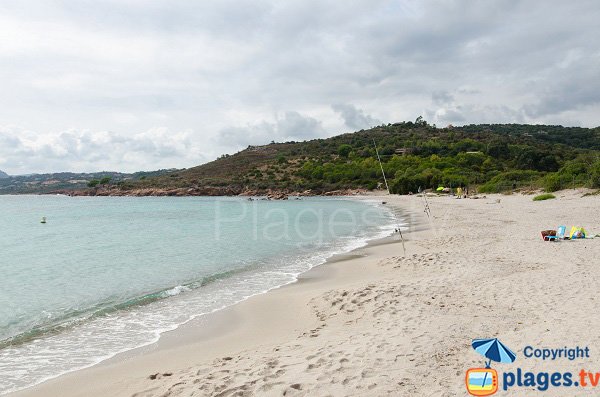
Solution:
(105, 275)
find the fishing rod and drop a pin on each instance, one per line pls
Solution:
(388, 189)
(427, 209)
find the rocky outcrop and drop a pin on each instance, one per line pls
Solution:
(142, 192)
(346, 192)
(204, 191)
(277, 196)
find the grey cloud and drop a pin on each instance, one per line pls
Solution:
(451, 108)
(448, 116)
(442, 98)
(291, 127)
(354, 118)
(205, 66)
(575, 86)
(95, 151)
(446, 111)
(296, 126)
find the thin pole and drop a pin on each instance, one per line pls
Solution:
(388, 189)
(381, 165)
(427, 209)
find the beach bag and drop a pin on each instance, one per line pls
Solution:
(548, 235)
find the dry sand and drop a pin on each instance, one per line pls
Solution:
(381, 323)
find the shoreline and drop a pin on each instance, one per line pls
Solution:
(206, 191)
(383, 323)
(206, 322)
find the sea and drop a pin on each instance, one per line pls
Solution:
(105, 275)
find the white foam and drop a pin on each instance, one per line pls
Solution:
(176, 290)
(49, 357)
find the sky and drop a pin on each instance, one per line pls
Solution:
(129, 85)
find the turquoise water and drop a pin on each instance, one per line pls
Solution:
(105, 275)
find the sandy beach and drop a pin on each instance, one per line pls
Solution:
(378, 322)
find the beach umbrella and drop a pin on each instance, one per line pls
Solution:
(493, 349)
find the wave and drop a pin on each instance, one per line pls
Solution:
(75, 318)
(105, 330)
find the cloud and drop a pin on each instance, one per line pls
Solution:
(292, 126)
(573, 87)
(441, 98)
(22, 151)
(457, 108)
(131, 66)
(446, 110)
(354, 118)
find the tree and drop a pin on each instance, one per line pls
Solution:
(344, 150)
(105, 180)
(93, 183)
(595, 174)
(498, 149)
(421, 122)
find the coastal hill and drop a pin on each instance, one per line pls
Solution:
(65, 182)
(489, 157)
(493, 157)
(3, 174)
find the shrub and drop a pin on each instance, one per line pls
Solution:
(371, 185)
(508, 180)
(552, 182)
(344, 150)
(545, 196)
(595, 174)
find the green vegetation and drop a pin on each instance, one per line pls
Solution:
(584, 170)
(486, 157)
(545, 196)
(63, 182)
(105, 180)
(490, 157)
(510, 180)
(344, 150)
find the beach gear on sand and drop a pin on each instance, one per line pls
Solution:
(558, 235)
(549, 235)
(577, 232)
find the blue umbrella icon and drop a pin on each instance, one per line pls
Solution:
(493, 350)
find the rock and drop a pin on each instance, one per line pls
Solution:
(204, 191)
(277, 196)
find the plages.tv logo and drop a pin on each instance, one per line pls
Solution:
(484, 381)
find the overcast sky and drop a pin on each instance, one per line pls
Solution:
(132, 85)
